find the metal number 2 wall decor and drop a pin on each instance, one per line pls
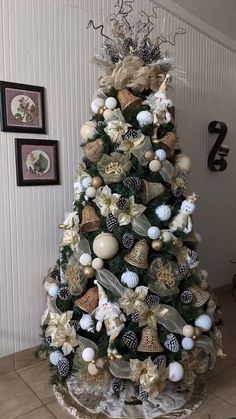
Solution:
(216, 158)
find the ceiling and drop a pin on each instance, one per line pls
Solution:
(220, 14)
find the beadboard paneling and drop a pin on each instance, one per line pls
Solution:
(45, 42)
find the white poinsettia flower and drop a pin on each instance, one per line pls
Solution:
(116, 126)
(133, 210)
(56, 320)
(65, 338)
(106, 200)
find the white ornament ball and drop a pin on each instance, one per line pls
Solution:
(55, 357)
(86, 182)
(91, 192)
(166, 236)
(144, 118)
(130, 279)
(160, 154)
(204, 273)
(154, 232)
(86, 322)
(198, 237)
(107, 114)
(188, 331)
(53, 290)
(88, 354)
(155, 165)
(187, 207)
(111, 103)
(175, 371)
(85, 259)
(163, 212)
(97, 264)
(87, 130)
(97, 104)
(187, 343)
(204, 322)
(204, 284)
(92, 369)
(105, 246)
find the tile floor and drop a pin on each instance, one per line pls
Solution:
(25, 393)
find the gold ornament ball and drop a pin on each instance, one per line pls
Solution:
(87, 130)
(101, 110)
(197, 332)
(157, 244)
(155, 165)
(89, 272)
(149, 155)
(105, 246)
(97, 182)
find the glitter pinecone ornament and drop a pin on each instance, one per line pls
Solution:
(130, 133)
(152, 299)
(117, 386)
(149, 53)
(186, 297)
(171, 343)
(64, 293)
(128, 240)
(111, 222)
(133, 182)
(135, 317)
(160, 359)
(87, 162)
(63, 366)
(75, 324)
(123, 204)
(142, 394)
(130, 339)
(183, 270)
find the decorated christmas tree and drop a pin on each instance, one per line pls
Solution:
(131, 324)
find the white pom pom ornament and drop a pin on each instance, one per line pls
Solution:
(55, 357)
(86, 322)
(111, 103)
(88, 354)
(187, 343)
(86, 182)
(130, 279)
(85, 259)
(91, 192)
(154, 232)
(87, 130)
(163, 212)
(97, 264)
(160, 154)
(97, 104)
(175, 371)
(144, 118)
(204, 322)
(53, 290)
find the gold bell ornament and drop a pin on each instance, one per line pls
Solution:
(150, 341)
(200, 296)
(89, 301)
(93, 150)
(128, 100)
(90, 220)
(168, 142)
(139, 255)
(151, 190)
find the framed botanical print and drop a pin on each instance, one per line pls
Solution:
(22, 108)
(36, 162)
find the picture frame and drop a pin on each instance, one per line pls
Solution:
(22, 108)
(37, 162)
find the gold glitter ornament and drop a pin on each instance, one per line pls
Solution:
(89, 301)
(149, 341)
(89, 272)
(90, 220)
(139, 255)
(149, 155)
(157, 245)
(96, 182)
(151, 190)
(128, 100)
(93, 150)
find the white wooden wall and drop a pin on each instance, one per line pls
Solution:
(45, 42)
